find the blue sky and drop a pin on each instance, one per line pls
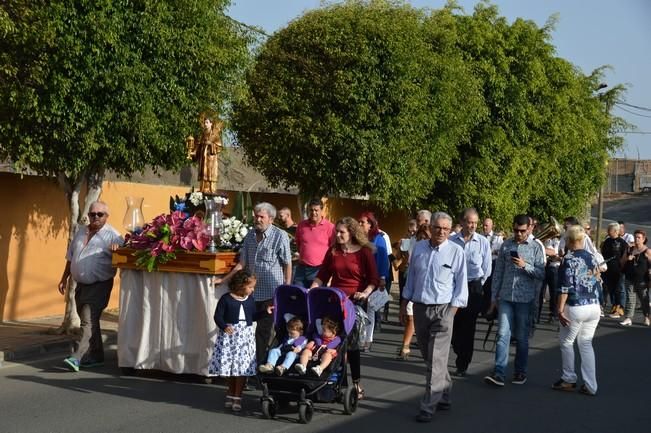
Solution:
(589, 34)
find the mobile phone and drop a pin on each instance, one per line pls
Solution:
(405, 245)
(514, 254)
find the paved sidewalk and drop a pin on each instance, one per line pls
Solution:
(29, 340)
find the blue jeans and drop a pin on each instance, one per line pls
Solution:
(305, 275)
(275, 353)
(512, 315)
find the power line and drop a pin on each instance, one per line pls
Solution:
(632, 112)
(634, 132)
(632, 106)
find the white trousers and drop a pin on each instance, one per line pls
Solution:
(583, 323)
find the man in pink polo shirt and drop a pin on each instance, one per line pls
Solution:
(314, 236)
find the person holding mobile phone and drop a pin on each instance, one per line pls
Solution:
(519, 272)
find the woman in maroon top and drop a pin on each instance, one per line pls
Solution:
(351, 266)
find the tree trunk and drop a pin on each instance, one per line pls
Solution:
(72, 188)
(94, 182)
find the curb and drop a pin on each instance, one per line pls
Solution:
(37, 351)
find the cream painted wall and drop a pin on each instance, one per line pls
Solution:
(33, 239)
(34, 230)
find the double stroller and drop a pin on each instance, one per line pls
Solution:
(331, 386)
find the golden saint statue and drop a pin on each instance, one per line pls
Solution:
(206, 152)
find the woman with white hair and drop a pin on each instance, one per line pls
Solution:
(578, 313)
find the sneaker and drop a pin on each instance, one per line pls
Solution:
(424, 417)
(317, 370)
(647, 322)
(266, 368)
(72, 363)
(443, 405)
(90, 363)
(613, 309)
(519, 379)
(494, 379)
(561, 385)
(615, 315)
(280, 370)
(584, 390)
(459, 373)
(300, 368)
(626, 322)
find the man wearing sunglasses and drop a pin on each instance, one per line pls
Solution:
(519, 272)
(437, 285)
(88, 262)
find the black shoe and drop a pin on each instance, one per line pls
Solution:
(584, 390)
(494, 379)
(519, 379)
(443, 405)
(424, 416)
(459, 373)
(561, 385)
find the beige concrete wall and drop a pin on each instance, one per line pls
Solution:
(33, 239)
(34, 230)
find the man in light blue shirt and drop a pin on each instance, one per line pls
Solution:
(479, 265)
(518, 274)
(437, 285)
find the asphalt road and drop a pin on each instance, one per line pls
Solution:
(634, 210)
(42, 396)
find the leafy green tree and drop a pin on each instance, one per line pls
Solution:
(543, 146)
(96, 85)
(352, 99)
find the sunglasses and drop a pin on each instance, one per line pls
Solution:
(519, 231)
(96, 214)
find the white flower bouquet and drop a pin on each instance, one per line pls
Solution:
(232, 232)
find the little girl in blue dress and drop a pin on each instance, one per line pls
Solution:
(234, 354)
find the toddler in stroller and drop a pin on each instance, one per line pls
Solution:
(322, 348)
(290, 347)
(323, 306)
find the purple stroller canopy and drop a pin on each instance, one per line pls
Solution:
(289, 299)
(330, 301)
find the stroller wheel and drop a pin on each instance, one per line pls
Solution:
(350, 400)
(269, 408)
(305, 412)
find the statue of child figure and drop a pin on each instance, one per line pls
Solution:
(206, 152)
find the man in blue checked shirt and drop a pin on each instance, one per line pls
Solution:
(437, 285)
(479, 265)
(519, 271)
(266, 253)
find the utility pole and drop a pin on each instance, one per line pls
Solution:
(600, 212)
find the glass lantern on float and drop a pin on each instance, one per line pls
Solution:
(133, 219)
(213, 219)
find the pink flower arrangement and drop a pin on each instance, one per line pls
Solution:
(166, 234)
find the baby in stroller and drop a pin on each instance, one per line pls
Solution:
(330, 320)
(290, 347)
(322, 348)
